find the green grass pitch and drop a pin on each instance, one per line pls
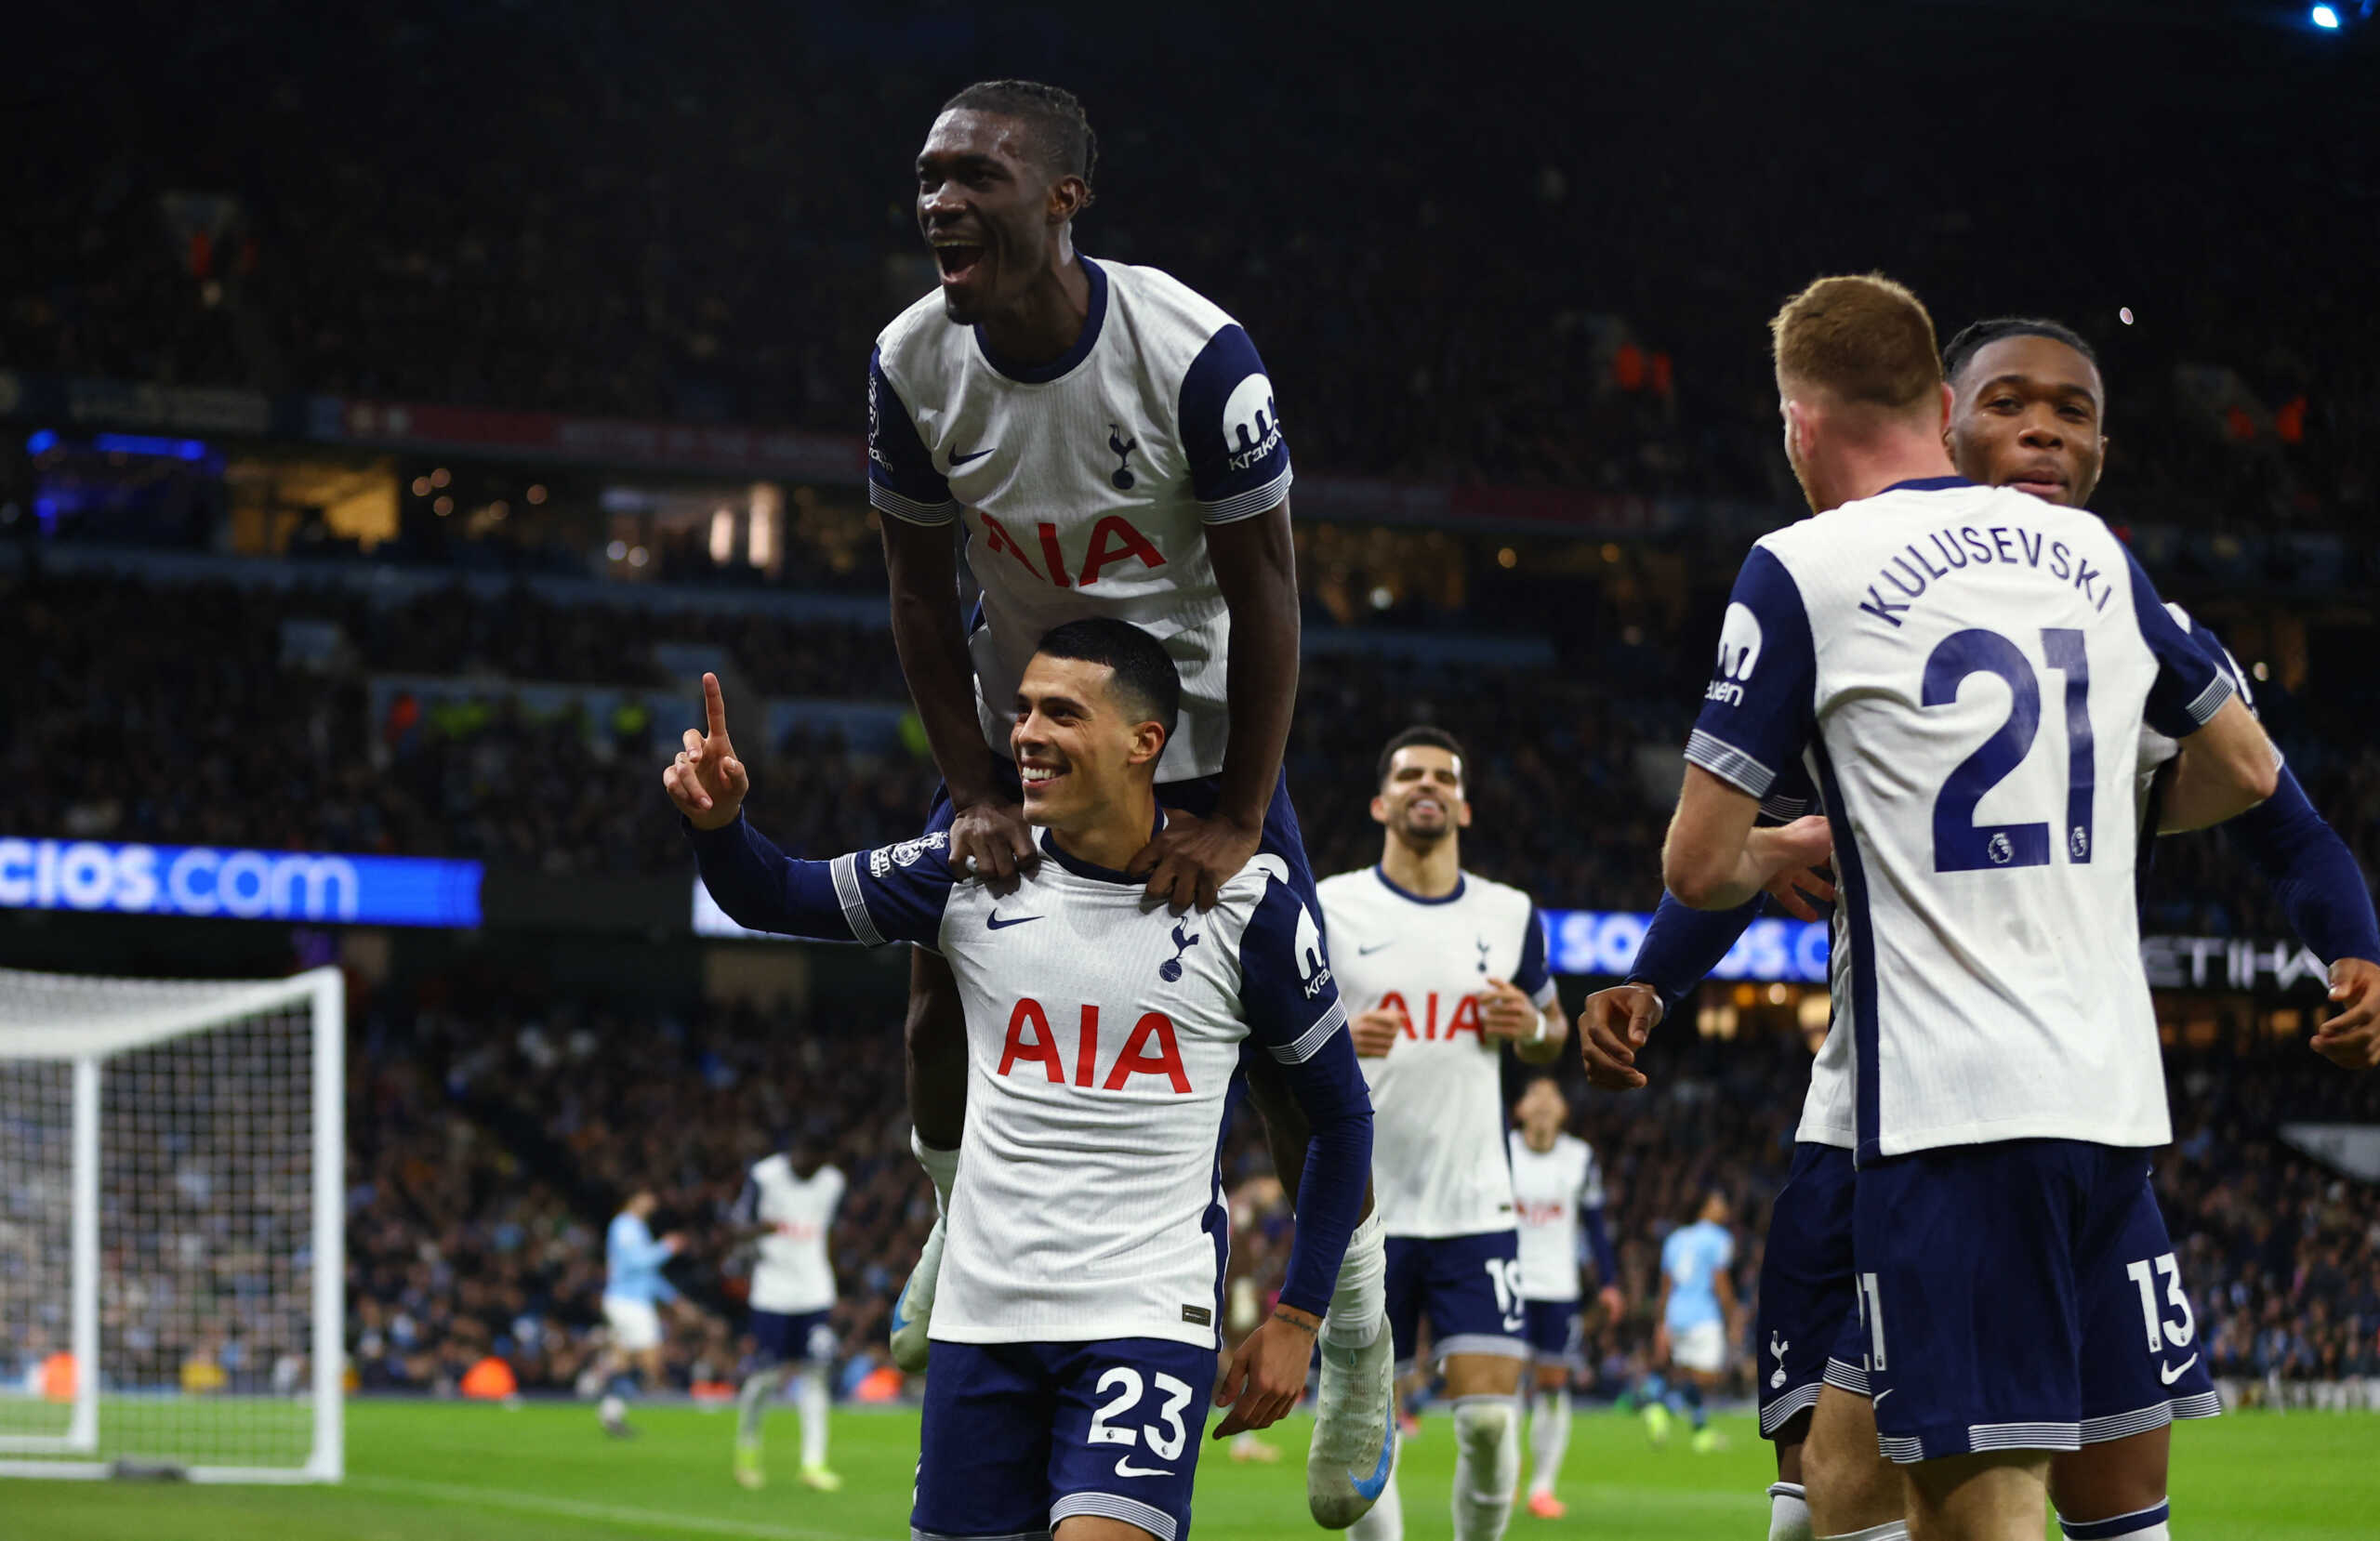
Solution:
(421, 1471)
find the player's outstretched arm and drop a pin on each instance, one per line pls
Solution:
(762, 888)
(2321, 889)
(1255, 565)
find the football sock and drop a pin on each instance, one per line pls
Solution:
(752, 1400)
(942, 1168)
(1386, 1520)
(1549, 1436)
(2148, 1524)
(1691, 1394)
(1654, 1389)
(1788, 1513)
(1896, 1530)
(1359, 1304)
(1487, 1465)
(809, 1398)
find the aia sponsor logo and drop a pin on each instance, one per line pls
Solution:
(1462, 1018)
(1149, 1049)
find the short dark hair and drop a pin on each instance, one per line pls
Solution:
(1055, 121)
(1436, 738)
(1977, 335)
(1145, 677)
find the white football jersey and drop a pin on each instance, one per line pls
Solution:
(1438, 1163)
(1085, 486)
(1827, 1112)
(1965, 672)
(1550, 1190)
(793, 1273)
(1104, 1034)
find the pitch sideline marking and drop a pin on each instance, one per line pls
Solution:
(581, 1510)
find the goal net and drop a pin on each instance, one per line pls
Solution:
(170, 1210)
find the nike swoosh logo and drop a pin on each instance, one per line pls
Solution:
(1372, 1486)
(1124, 1467)
(958, 460)
(994, 923)
(1367, 952)
(1878, 1400)
(2167, 1375)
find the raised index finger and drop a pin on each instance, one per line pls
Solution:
(714, 706)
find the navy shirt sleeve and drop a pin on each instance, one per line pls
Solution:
(2313, 875)
(894, 893)
(901, 477)
(1239, 463)
(1533, 978)
(1760, 710)
(1292, 1008)
(1792, 795)
(1683, 945)
(2190, 687)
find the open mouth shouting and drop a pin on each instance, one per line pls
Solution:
(958, 257)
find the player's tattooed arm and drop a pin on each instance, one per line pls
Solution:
(988, 826)
(1256, 568)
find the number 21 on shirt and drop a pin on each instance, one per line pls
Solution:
(1961, 844)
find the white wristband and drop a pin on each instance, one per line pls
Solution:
(1538, 1036)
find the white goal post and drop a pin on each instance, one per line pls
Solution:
(171, 1253)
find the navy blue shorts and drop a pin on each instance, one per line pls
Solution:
(1018, 1436)
(1471, 1287)
(1806, 1285)
(2021, 1296)
(1554, 1330)
(1281, 836)
(781, 1337)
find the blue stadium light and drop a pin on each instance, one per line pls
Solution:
(164, 449)
(2324, 18)
(41, 441)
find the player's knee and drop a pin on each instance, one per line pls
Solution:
(1484, 1424)
(2100, 1482)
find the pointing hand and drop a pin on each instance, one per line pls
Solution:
(707, 781)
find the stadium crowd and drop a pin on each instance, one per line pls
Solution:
(496, 1126)
(483, 775)
(533, 244)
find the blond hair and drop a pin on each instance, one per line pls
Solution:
(1865, 340)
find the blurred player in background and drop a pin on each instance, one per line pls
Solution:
(1557, 1200)
(2009, 1075)
(1075, 1343)
(634, 1291)
(1105, 443)
(1445, 967)
(788, 1208)
(1699, 1325)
